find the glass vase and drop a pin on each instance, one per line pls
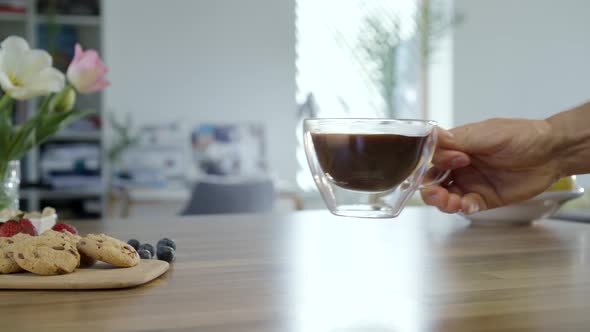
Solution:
(9, 185)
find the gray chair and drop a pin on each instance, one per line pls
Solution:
(252, 196)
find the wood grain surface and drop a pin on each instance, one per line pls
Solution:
(310, 271)
(99, 276)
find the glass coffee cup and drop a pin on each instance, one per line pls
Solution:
(370, 167)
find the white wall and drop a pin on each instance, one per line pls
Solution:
(525, 58)
(197, 61)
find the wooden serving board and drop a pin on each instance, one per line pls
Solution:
(100, 276)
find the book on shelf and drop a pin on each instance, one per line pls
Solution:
(13, 6)
(156, 159)
(60, 41)
(71, 166)
(69, 7)
(90, 182)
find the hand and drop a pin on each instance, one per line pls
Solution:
(494, 163)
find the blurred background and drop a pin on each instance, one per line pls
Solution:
(207, 97)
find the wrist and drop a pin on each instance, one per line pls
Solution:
(569, 143)
(557, 144)
(554, 142)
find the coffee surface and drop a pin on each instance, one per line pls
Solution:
(368, 162)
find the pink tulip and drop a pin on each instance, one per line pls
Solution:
(87, 72)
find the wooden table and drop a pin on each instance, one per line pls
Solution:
(310, 271)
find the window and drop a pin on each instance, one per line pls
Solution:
(358, 59)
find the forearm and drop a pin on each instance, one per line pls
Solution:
(571, 130)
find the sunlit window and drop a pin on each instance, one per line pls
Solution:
(359, 58)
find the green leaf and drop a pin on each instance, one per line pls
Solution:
(118, 127)
(21, 137)
(45, 104)
(6, 105)
(4, 200)
(5, 129)
(54, 122)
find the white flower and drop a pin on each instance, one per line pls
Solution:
(27, 73)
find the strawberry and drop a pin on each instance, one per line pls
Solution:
(10, 228)
(28, 227)
(65, 227)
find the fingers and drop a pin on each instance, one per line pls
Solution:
(454, 204)
(449, 159)
(472, 203)
(442, 199)
(452, 200)
(434, 196)
(448, 154)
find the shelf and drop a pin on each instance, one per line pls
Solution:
(88, 28)
(12, 17)
(178, 194)
(80, 20)
(60, 194)
(76, 136)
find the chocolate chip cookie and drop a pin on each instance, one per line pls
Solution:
(7, 263)
(73, 239)
(45, 255)
(109, 250)
(65, 235)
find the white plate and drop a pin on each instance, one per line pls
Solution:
(44, 223)
(539, 207)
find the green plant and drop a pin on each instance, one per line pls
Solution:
(379, 43)
(124, 137)
(380, 40)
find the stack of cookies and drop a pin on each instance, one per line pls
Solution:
(53, 253)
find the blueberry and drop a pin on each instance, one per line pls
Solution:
(148, 247)
(166, 253)
(167, 242)
(134, 243)
(145, 254)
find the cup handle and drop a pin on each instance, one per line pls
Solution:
(440, 178)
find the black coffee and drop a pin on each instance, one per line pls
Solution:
(368, 162)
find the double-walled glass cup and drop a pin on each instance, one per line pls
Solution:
(369, 167)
